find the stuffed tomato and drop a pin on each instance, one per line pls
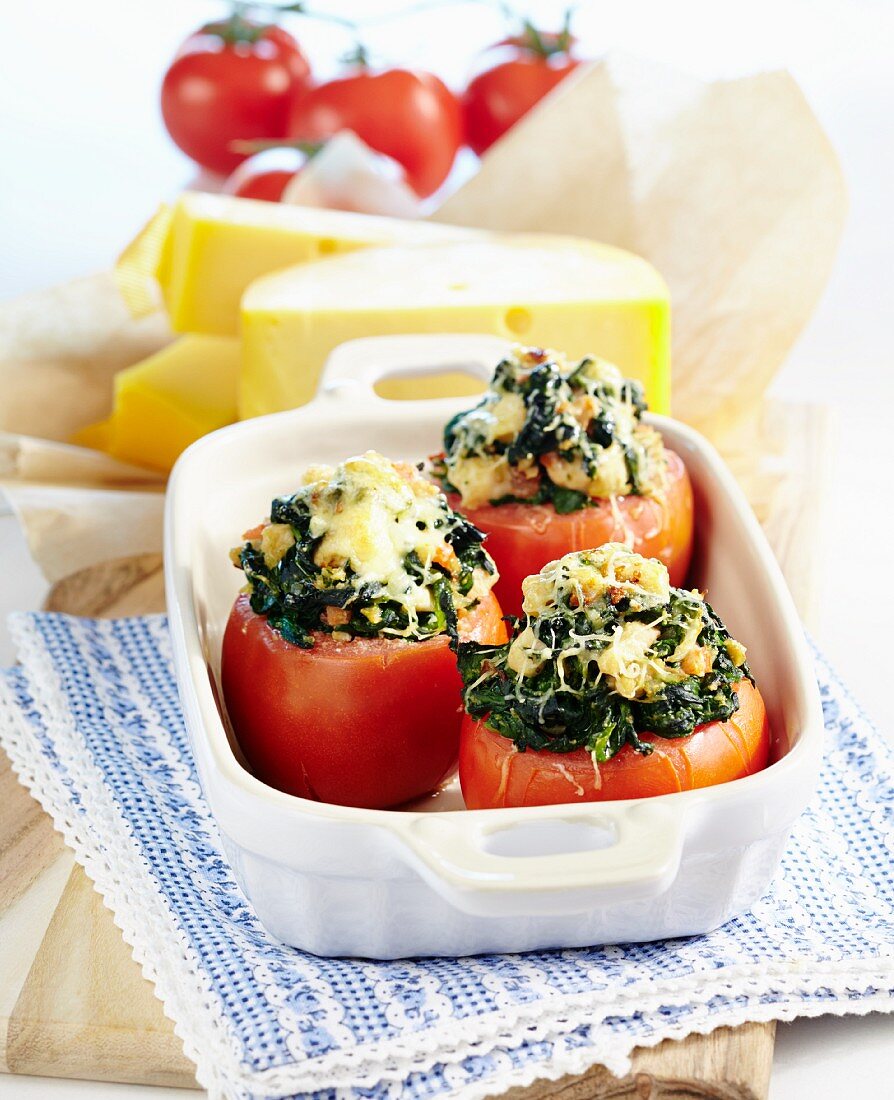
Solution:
(337, 669)
(614, 685)
(556, 458)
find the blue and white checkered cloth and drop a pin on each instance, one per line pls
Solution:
(92, 723)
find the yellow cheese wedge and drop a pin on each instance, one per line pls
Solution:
(206, 250)
(95, 436)
(172, 399)
(561, 292)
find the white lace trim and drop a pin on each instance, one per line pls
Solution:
(105, 847)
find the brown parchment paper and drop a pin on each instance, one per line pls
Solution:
(729, 188)
(59, 351)
(70, 529)
(28, 459)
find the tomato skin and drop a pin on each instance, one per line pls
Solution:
(372, 722)
(497, 98)
(493, 774)
(522, 538)
(216, 92)
(410, 116)
(268, 186)
(265, 175)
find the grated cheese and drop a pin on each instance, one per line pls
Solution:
(382, 530)
(583, 581)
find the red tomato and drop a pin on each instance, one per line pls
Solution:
(265, 175)
(498, 97)
(371, 722)
(493, 773)
(410, 116)
(522, 538)
(231, 81)
(263, 185)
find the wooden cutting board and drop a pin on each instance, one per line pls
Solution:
(73, 1003)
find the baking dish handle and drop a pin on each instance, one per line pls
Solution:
(611, 854)
(358, 365)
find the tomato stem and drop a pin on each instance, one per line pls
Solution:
(545, 44)
(357, 57)
(236, 29)
(272, 8)
(310, 13)
(248, 148)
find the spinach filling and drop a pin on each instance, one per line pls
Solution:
(554, 425)
(568, 704)
(298, 597)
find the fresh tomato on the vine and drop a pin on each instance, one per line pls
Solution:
(498, 97)
(409, 115)
(231, 81)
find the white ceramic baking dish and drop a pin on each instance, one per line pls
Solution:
(396, 883)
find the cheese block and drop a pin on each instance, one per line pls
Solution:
(170, 400)
(96, 436)
(208, 248)
(561, 292)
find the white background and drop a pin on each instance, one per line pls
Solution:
(84, 160)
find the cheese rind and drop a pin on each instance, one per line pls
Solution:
(575, 295)
(173, 398)
(213, 246)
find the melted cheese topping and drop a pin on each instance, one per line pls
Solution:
(370, 513)
(626, 660)
(363, 548)
(585, 577)
(480, 478)
(591, 390)
(498, 419)
(276, 541)
(586, 581)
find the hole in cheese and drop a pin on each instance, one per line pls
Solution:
(518, 320)
(578, 296)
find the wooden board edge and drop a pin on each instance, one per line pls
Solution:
(724, 1064)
